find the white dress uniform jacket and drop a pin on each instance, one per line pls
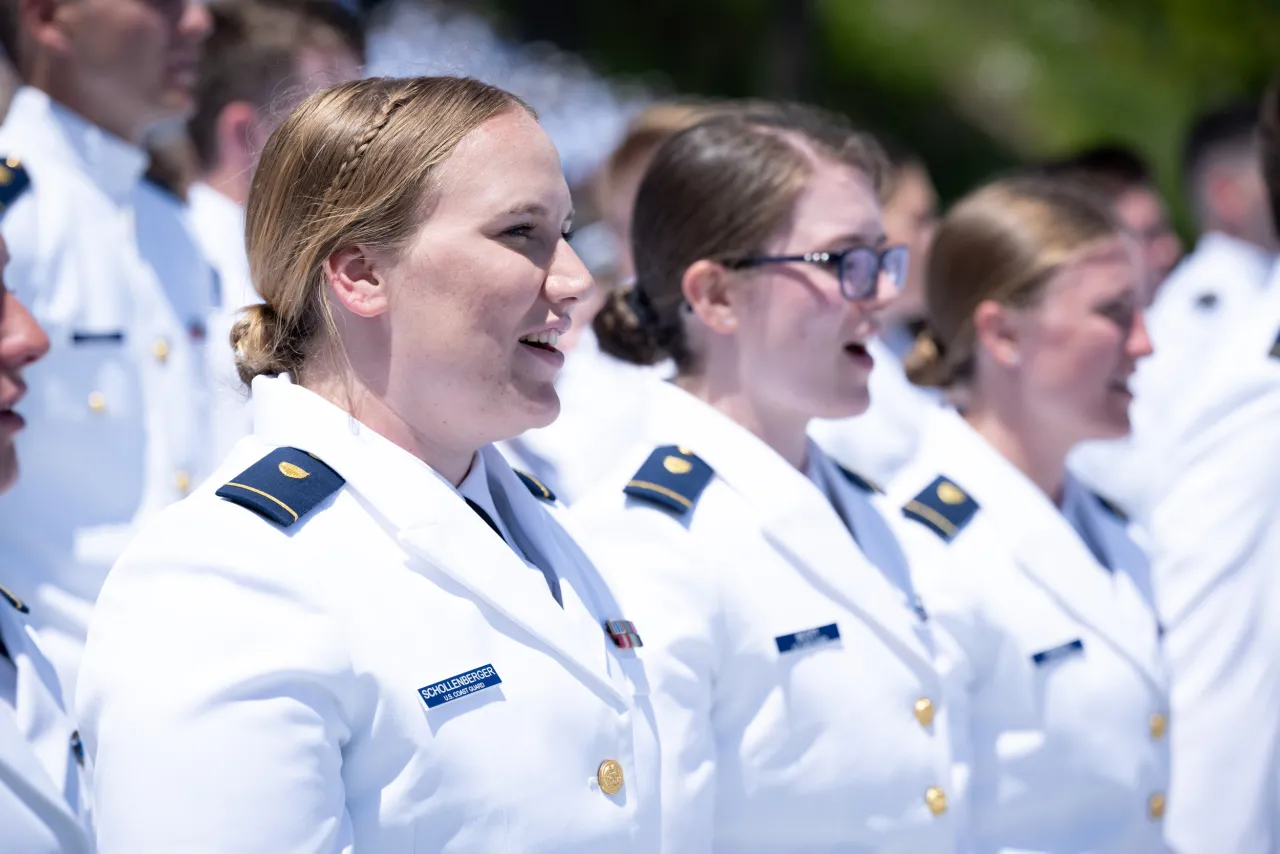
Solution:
(883, 439)
(1051, 661)
(1198, 310)
(383, 674)
(218, 224)
(115, 411)
(791, 670)
(1216, 548)
(41, 798)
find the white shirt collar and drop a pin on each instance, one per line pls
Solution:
(114, 165)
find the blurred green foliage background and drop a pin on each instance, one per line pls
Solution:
(974, 86)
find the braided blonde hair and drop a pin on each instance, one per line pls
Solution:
(353, 164)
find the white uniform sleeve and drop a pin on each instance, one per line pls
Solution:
(1216, 547)
(208, 699)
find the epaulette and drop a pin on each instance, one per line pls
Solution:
(14, 181)
(1275, 347)
(537, 487)
(283, 486)
(7, 595)
(942, 507)
(1112, 508)
(859, 481)
(673, 477)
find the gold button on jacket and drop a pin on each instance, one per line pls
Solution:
(936, 799)
(1159, 725)
(1156, 805)
(609, 775)
(924, 711)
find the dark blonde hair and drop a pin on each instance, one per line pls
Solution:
(1003, 242)
(352, 164)
(717, 191)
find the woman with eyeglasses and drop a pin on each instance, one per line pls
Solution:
(1051, 648)
(790, 664)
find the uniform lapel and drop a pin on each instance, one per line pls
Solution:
(797, 518)
(433, 522)
(24, 732)
(1045, 545)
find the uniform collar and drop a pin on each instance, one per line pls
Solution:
(1045, 544)
(807, 522)
(429, 518)
(1218, 249)
(114, 165)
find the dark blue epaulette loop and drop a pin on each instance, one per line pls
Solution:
(14, 181)
(943, 507)
(672, 477)
(283, 486)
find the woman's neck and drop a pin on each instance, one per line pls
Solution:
(349, 395)
(1019, 440)
(784, 432)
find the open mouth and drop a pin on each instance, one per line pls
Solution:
(543, 340)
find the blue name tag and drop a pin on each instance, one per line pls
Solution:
(808, 638)
(1047, 656)
(459, 686)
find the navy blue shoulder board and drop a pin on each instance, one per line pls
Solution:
(7, 595)
(859, 481)
(283, 486)
(942, 507)
(537, 487)
(14, 181)
(1275, 347)
(673, 477)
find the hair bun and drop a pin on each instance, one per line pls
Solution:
(260, 344)
(625, 327)
(926, 364)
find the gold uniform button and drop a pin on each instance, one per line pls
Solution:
(160, 349)
(1156, 805)
(1159, 725)
(182, 480)
(924, 711)
(936, 799)
(609, 776)
(97, 401)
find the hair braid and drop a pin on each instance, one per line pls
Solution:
(361, 144)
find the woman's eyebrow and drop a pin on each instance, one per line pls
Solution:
(537, 209)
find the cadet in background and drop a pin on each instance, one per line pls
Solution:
(790, 666)
(118, 409)
(1202, 305)
(1052, 663)
(373, 635)
(261, 59)
(1123, 180)
(1215, 548)
(883, 439)
(42, 801)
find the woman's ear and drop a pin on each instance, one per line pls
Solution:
(353, 277)
(707, 289)
(997, 332)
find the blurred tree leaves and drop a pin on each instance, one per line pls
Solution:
(973, 85)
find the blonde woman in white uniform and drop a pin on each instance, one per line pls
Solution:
(1052, 656)
(367, 633)
(790, 664)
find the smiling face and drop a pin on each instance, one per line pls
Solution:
(22, 342)
(1079, 344)
(481, 292)
(800, 343)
